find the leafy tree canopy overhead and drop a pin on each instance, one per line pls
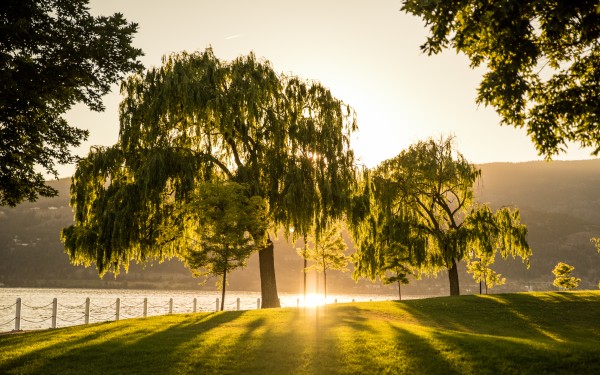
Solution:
(542, 60)
(53, 54)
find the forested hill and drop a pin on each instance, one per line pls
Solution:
(559, 202)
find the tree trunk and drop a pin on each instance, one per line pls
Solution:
(453, 277)
(304, 271)
(268, 284)
(223, 289)
(325, 284)
(399, 291)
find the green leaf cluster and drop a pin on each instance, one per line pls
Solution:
(198, 119)
(563, 278)
(228, 227)
(328, 251)
(541, 60)
(420, 213)
(53, 54)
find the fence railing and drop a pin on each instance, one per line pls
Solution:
(69, 315)
(74, 314)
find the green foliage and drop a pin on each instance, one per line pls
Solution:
(541, 59)
(228, 228)
(53, 54)
(563, 279)
(420, 210)
(327, 251)
(483, 273)
(196, 119)
(596, 242)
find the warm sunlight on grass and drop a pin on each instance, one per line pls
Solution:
(525, 333)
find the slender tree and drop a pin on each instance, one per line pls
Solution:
(482, 273)
(53, 54)
(596, 242)
(396, 271)
(541, 60)
(228, 228)
(563, 279)
(424, 201)
(327, 252)
(197, 118)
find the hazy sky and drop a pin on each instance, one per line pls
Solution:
(366, 52)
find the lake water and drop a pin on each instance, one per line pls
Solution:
(37, 304)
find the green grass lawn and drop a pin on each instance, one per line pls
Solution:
(526, 333)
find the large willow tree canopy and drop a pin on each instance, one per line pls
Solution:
(197, 118)
(418, 207)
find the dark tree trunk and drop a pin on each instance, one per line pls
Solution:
(223, 291)
(268, 284)
(453, 277)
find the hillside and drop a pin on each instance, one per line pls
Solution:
(559, 202)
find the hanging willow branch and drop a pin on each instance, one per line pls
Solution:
(196, 119)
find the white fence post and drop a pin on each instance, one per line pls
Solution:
(170, 306)
(335, 300)
(258, 303)
(87, 310)
(117, 308)
(194, 304)
(18, 315)
(145, 307)
(238, 304)
(54, 310)
(217, 305)
(297, 302)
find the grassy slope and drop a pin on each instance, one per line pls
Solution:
(512, 333)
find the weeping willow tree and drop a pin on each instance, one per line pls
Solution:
(196, 119)
(387, 248)
(419, 206)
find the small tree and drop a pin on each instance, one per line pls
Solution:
(483, 273)
(596, 242)
(327, 252)
(398, 272)
(229, 229)
(563, 279)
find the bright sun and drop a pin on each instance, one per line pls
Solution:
(313, 300)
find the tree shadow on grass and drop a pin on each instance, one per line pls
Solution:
(324, 340)
(445, 352)
(131, 346)
(512, 315)
(36, 348)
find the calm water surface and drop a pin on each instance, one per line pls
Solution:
(36, 304)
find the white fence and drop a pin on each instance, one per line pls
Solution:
(69, 315)
(80, 314)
